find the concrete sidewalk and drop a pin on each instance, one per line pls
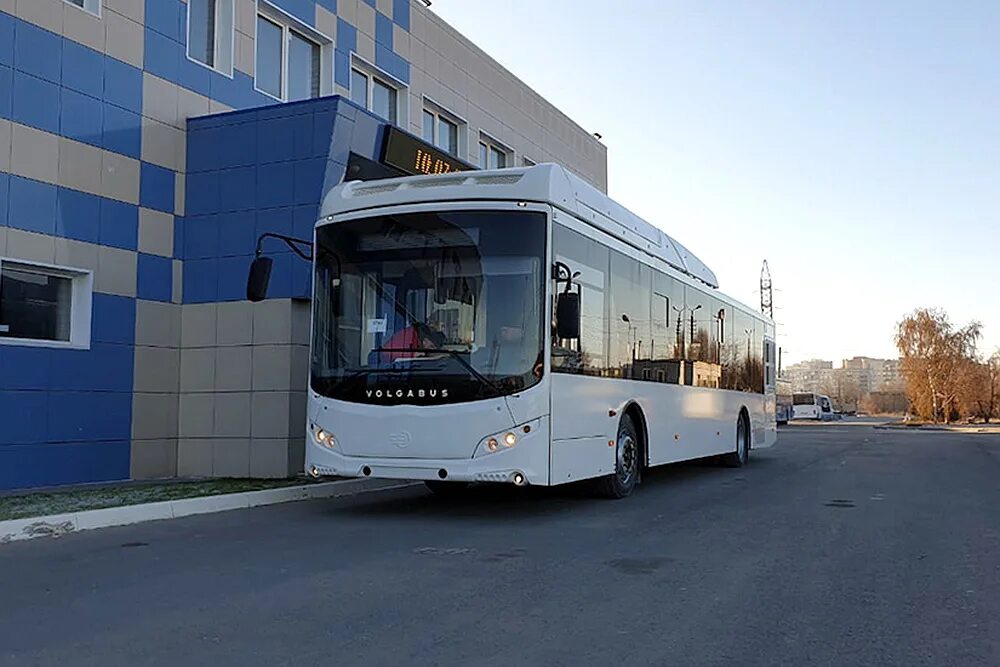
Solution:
(56, 525)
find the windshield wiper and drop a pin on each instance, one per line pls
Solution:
(454, 354)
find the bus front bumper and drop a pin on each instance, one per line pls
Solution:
(515, 466)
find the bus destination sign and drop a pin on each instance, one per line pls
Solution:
(413, 156)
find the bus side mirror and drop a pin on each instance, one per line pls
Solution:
(260, 276)
(568, 315)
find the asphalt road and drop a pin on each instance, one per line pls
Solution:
(843, 545)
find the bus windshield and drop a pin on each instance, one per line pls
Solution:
(428, 308)
(804, 399)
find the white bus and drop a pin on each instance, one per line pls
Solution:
(807, 405)
(518, 326)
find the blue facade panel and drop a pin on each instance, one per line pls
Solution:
(81, 117)
(165, 17)
(157, 188)
(78, 216)
(155, 278)
(123, 85)
(161, 56)
(114, 319)
(383, 30)
(57, 464)
(6, 91)
(38, 52)
(4, 197)
(32, 205)
(6, 39)
(82, 69)
(35, 102)
(119, 224)
(122, 132)
(23, 414)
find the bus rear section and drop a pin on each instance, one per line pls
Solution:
(811, 406)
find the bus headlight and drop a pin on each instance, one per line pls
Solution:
(505, 440)
(323, 438)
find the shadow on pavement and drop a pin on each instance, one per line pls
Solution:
(505, 501)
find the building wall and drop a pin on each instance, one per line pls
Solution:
(94, 175)
(450, 70)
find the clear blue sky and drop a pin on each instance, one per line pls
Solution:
(855, 144)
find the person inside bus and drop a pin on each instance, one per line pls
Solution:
(409, 341)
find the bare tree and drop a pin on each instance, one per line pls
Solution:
(936, 359)
(984, 388)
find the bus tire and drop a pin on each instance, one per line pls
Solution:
(739, 457)
(621, 483)
(447, 489)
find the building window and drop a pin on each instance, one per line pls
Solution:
(44, 305)
(294, 62)
(92, 6)
(376, 92)
(210, 34)
(441, 129)
(303, 67)
(492, 154)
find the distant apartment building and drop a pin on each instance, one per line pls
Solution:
(859, 375)
(810, 376)
(874, 374)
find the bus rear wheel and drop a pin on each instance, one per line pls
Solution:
(627, 462)
(739, 458)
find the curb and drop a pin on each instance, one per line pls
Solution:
(56, 525)
(972, 430)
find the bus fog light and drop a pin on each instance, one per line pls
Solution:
(492, 444)
(510, 440)
(518, 479)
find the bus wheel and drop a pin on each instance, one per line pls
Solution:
(627, 453)
(739, 458)
(447, 489)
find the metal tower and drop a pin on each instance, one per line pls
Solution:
(766, 291)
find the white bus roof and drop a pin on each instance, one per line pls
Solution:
(549, 183)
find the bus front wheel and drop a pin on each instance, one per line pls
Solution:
(627, 462)
(740, 457)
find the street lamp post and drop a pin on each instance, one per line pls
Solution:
(632, 332)
(679, 343)
(693, 311)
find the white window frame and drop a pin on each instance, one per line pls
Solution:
(490, 142)
(289, 23)
(372, 72)
(81, 304)
(92, 7)
(225, 38)
(432, 107)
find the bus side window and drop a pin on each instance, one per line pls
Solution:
(588, 355)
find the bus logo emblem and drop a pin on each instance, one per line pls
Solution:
(401, 439)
